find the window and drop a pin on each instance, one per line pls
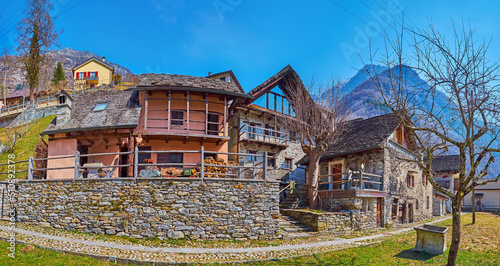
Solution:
(416, 204)
(62, 99)
(170, 158)
(177, 118)
(428, 202)
(213, 124)
(410, 179)
(80, 75)
(287, 164)
(271, 161)
(100, 106)
(252, 158)
(424, 179)
(394, 208)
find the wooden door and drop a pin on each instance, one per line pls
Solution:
(336, 172)
(380, 220)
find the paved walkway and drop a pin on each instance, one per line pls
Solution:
(212, 250)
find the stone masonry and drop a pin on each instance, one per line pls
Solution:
(338, 222)
(175, 208)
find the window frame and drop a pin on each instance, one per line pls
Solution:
(178, 122)
(105, 103)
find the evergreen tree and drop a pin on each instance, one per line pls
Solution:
(58, 74)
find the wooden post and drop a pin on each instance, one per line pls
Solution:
(265, 166)
(202, 166)
(360, 179)
(136, 162)
(225, 118)
(77, 165)
(168, 114)
(267, 100)
(146, 112)
(130, 148)
(30, 168)
(187, 113)
(3, 201)
(206, 113)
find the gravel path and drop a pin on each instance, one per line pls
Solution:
(135, 253)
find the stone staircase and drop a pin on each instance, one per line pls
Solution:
(290, 228)
(294, 201)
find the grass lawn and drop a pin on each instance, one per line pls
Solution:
(25, 147)
(480, 245)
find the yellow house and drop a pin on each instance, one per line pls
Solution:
(92, 73)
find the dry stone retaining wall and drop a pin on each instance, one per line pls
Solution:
(175, 208)
(338, 222)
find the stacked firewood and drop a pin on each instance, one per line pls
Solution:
(214, 171)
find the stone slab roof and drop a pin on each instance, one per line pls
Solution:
(446, 163)
(123, 110)
(361, 135)
(174, 81)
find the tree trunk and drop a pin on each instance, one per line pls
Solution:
(313, 174)
(455, 234)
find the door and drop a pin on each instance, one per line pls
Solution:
(380, 220)
(336, 175)
(410, 212)
(402, 213)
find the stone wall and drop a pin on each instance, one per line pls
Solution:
(416, 200)
(173, 208)
(337, 222)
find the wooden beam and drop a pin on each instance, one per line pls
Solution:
(225, 118)
(206, 113)
(186, 139)
(167, 137)
(105, 140)
(203, 140)
(168, 114)
(146, 113)
(187, 112)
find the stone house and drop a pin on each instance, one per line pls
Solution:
(445, 168)
(163, 113)
(258, 125)
(369, 170)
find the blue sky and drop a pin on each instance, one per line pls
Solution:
(255, 39)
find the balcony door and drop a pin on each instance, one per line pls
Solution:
(213, 124)
(335, 170)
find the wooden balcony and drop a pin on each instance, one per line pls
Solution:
(193, 118)
(263, 136)
(351, 184)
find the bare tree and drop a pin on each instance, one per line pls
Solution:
(318, 124)
(466, 123)
(7, 62)
(36, 36)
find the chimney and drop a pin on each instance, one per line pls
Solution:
(104, 59)
(210, 73)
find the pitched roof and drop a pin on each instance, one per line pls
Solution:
(182, 82)
(276, 80)
(123, 111)
(489, 186)
(98, 60)
(446, 163)
(361, 135)
(233, 77)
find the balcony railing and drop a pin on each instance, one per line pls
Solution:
(18, 108)
(88, 78)
(268, 135)
(352, 180)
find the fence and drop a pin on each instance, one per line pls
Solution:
(202, 164)
(358, 180)
(21, 106)
(264, 134)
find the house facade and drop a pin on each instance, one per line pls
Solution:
(163, 113)
(445, 168)
(487, 197)
(369, 169)
(92, 73)
(258, 125)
